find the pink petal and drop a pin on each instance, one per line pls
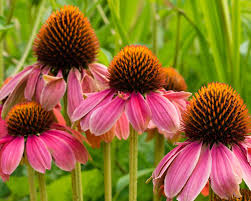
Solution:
(89, 103)
(15, 97)
(41, 83)
(61, 151)
(74, 91)
(12, 84)
(122, 129)
(99, 72)
(6, 139)
(52, 92)
(88, 84)
(224, 178)
(240, 154)
(181, 169)
(31, 83)
(138, 112)
(177, 94)
(104, 118)
(164, 113)
(79, 149)
(38, 155)
(165, 162)
(3, 128)
(198, 178)
(11, 155)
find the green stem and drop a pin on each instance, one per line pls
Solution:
(107, 172)
(1, 48)
(155, 48)
(77, 191)
(211, 194)
(159, 150)
(32, 184)
(33, 34)
(42, 187)
(177, 44)
(133, 164)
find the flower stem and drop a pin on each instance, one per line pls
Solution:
(77, 191)
(211, 194)
(107, 172)
(1, 49)
(32, 184)
(133, 165)
(42, 187)
(33, 34)
(159, 150)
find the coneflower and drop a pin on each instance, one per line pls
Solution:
(216, 124)
(31, 133)
(135, 95)
(66, 48)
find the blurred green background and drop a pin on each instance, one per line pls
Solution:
(205, 40)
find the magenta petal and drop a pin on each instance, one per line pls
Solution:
(38, 155)
(74, 91)
(240, 154)
(3, 128)
(198, 178)
(100, 73)
(164, 113)
(181, 169)
(177, 94)
(79, 149)
(61, 151)
(31, 83)
(104, 118)
(138, 112)
(225, 178)
(11, 85)
(52, 92)
(11, 155)
(122, 129)
(87, 83)
(89, 103)
(41, 83)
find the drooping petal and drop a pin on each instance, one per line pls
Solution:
(99, 72)
(52, 92)
(89, 103)
(104, 118)
(164, 113)
(79, 150)
(74, 91)
(138, 112)
(177, 94)
(3, 128)
(15, 97)
(181, 169)
(12, 84)
(31, 83)
(122, 129)
(198, 178)
(224, 178)
(11, 155)
(41, 83)
(61, 152)
(245, 166)
(38, 154)
(88, 84)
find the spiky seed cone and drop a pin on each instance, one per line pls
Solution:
(173, 80)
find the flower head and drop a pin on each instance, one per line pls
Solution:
(173, 80)
(216, 123)
(135, 69)
(30, 129)
(135, 95)
(66, 40)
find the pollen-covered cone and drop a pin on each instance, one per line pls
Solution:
(134, 95)
(30, 130)
(217, 125)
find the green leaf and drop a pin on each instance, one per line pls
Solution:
(3, 25)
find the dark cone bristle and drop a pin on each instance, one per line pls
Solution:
(216, 114)
(135, 68)
(173, 80)
(66, 40)
(28, 119)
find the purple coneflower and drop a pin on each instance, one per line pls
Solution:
(216, 124)
(135, 95)
(66, 48)
(31, 130)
